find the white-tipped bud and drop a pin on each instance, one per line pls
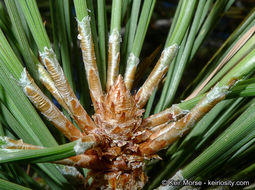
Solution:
(168, 54)
(47, 53)
(132, 63)
(115, 36)
(217, 92)
(84, 25)
(24, 80)
(81, 147)
(133, 60)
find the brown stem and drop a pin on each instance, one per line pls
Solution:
(171, 114)
(132, 63)
(47, 81)
(83, 161)
(89, 60)
(18, 144)
(47, 108)
(50, 61)
(166, 136)
(113, 58)
(156, 75)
